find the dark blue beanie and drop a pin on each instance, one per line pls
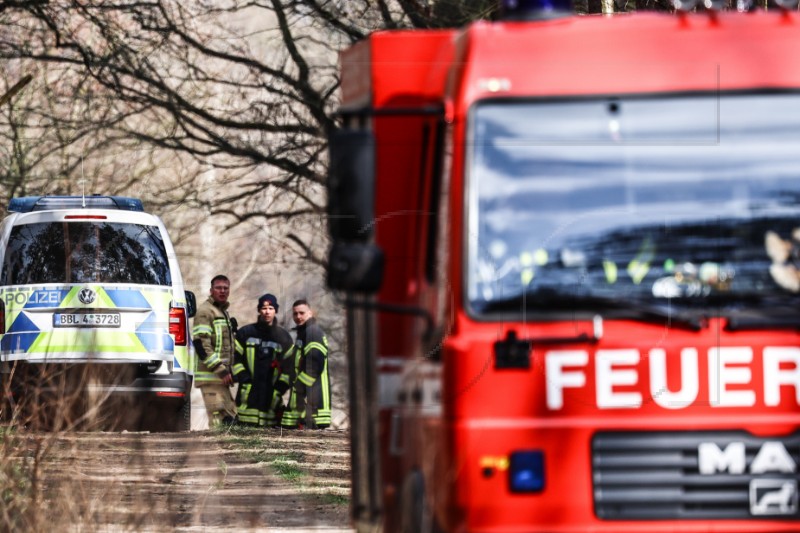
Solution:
(268, 298)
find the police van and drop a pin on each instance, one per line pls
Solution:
(94, 315)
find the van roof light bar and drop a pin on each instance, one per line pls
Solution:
(26, 204)
(528, 10)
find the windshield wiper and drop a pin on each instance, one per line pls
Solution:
(552, 300)
(745, 323)
(762, 312)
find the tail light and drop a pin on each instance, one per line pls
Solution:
(177, 325)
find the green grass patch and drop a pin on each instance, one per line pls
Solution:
(248, 442)
(287, 465)
(255, 446)
(335, 499)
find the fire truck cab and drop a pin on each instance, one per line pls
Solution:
(570, 252)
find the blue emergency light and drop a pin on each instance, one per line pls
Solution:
(26, 204)
(534, 9)
(526, 471)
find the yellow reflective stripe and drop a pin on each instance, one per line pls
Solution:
(322, 348)
(305, 379)
(326, 393)
(213, 360)
(238, 346)
(289, 353)
(245, 393)
(201, 329)
(251, 358)
(248, 416)
(276, 398)
(322, 418)
(216, 358)
(323, 414)
(206, 376)
(290, 415)
(219, 323)
(238, 368)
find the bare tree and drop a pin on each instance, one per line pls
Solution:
(247, 89)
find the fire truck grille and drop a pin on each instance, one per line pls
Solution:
(698, 475)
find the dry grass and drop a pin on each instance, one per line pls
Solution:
(62, 470)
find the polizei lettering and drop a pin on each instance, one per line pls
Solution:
(42, 297)
(729, 377)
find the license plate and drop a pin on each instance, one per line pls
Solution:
(86, 320)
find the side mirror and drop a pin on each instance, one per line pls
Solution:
(191, 304)
(355, 267)
(351, 185)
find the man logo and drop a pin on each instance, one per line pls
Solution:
(771, 457)
(767, 496)
(86, 295)
(773, 497)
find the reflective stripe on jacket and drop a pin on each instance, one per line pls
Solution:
(212, 330)
(260, 351)
(311, 391)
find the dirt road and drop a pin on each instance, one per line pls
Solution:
(235, 480)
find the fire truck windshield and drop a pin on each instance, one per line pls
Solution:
(690, 203)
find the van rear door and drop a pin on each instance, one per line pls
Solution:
(83, 286)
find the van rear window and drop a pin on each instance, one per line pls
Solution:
(85, 252)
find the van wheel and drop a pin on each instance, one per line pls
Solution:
(180, 420)
(159, 418)
(183, 421)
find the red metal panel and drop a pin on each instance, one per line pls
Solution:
(488, 413)
(633, 54)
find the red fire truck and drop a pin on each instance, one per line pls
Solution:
(570, 252)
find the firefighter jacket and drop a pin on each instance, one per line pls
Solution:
(311, 391)
(259, 353)
(212, 338)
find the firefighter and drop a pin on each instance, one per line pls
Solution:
(260, 350)
(310, 400)
(213, 343)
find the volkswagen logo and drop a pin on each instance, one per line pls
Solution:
(86, 295)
